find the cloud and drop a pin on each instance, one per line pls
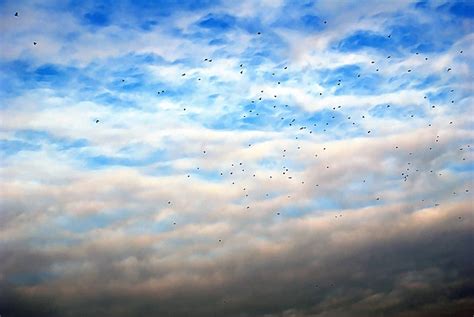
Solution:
(295, 169)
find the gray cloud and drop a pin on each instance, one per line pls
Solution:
(369, 262)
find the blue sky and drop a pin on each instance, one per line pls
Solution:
(143, 142)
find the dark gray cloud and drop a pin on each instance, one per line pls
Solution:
(390, 264)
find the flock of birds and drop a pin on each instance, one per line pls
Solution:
(238, 170)
(238, 167)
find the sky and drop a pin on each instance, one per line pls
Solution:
(246, 158)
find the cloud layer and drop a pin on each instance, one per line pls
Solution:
(259, 158)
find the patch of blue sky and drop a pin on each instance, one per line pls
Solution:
(217, 22)
(367, 84)
(144, 227)
(252, 57)
(441, 97)
(263, 49)
(64, 145)
(463, 9)
(38, 137)
(265, 116)
(81, 224)
(161, 169)
(251, 25)
(270, 163)
(407, 35)
(427, 82)
(410, 33)
(366, 39)
(421, 5)
(306, 23)
(164, 8)
(343, 73)
(251, 123)
(428, 48)
(467, 167)
(124, 81)
(149, 24)
(22, 75)
(268, 118)
(34, 135)
(178, 92)
(123, 67)
(320, 118)
(290, 212)
(135, 61)
(17, 75)
(96, 18)
(12, 147)
(93, 14)
(218, 41)
(277, 74)
(325, 203)
(112, 100)
(400, 112)
(208, 175)
(103, 161)
(227, 121)
(340, 131)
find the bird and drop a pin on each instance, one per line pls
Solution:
(97, 121)
(16, 14)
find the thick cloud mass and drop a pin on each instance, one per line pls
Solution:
(236, 158)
